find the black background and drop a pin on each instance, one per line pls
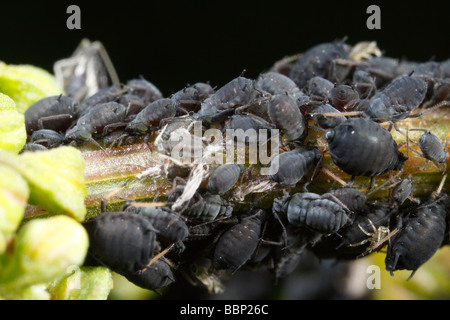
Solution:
(173, 43)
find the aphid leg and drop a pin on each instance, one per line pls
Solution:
(350, 183)
(285, 238)
(372, 182)
(385, 183)
(51, 118)
(113, 126)
(108, 64)
(333, 176)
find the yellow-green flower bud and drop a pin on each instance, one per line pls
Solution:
(13, 134)
(26, 84)
(82, 283)
(55, 177)
(13, 200)
(43, 251)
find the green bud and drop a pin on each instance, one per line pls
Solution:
(13, 200)
(26, 84)
(43, 251)
(13, 134)
(82, 283)
(55, 178)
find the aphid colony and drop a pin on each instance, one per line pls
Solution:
(200, 231)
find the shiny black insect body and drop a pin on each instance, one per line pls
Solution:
(315, 212)
(236, 245)
(155, 276)
(319, 89)
(285, 114)
(47, 137)
(122, 241)
(320, 61)
(190, 98)
(343, 97)
(133, 103)
(144, 89)
(432, 149)
(238, 92)
(277, 83)
(56, 113)
(361, 147)
(327, 122)
(109, 94)
(97, 122)
(364, 84)
(152, 115)
(241, 123)
(352, 198)
(294, 165)
(166, 223)
(397, 100)
(206, 207)
(224, 177)
(420, 235)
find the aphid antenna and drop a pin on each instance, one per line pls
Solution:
(333, 176)
(439, 189)
(340, 114)
(159, 255)
(436, 106)
(98, 145)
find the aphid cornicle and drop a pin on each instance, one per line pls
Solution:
(285, 114)
(236, 245)
(122, 241)
(224, 177)
(56, 113)
(361, 147)
(420, 235)
(294, 165)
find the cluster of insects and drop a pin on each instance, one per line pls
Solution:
(218, 218)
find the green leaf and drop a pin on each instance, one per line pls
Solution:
(44, 250)
(13, 200)
(13, 134)
(55, 178)
(85, 283)
(26, 84)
